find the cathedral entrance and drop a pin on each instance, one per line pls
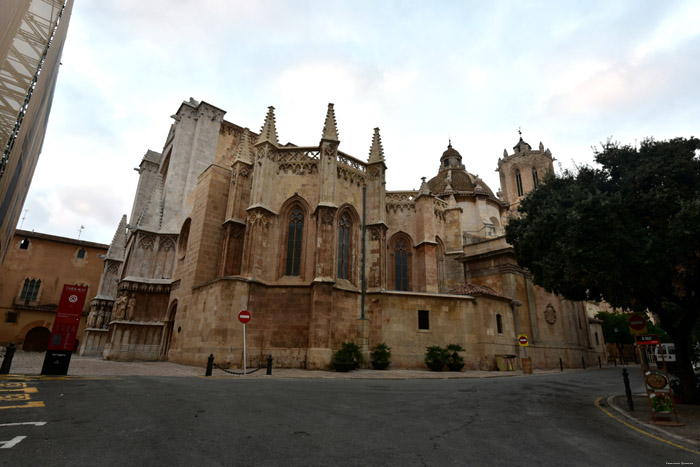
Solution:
(168, 331)
(37, 340)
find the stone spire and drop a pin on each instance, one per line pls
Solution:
(244, 152)
(118, 245)
(424, 190)
(330, 129)
(268, 133)
(376, 152)
(152, 215)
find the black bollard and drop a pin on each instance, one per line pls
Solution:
(210, 365)
(628, 391)
(561, 365)
(7, 361)
(600, 365)
(269, 365)
(583, 363)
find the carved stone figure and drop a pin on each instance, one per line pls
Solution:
(119, 308)
(100, 319)
(130, 309)
(92, 317)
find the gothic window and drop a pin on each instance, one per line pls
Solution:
(499, 323)
(30, 290)
(81, 253)
(344, 247)
(24, 245)
(519, 182)
(535, 177)
(294, 237)
(401, 265)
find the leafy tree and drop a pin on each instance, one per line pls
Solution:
(627, 233)
(616, 329)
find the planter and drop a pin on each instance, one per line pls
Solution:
(455, 366)
(380, 365)
(435, 366)
(344, 367)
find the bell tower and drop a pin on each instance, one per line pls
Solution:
(522, 171)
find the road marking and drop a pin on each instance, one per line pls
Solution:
(11, 443)
(30, 404)
(23, 423)
(24, 390)
(597, 403)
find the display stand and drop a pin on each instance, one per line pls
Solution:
(656, 381)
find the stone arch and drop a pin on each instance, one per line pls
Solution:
(168, 327)
(183, 238)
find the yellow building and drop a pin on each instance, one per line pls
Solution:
(31, 281)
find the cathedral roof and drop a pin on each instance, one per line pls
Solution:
(474, 289)
(454, 177)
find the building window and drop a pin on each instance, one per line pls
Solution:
(294, 238)
(24, 245)
(81, 253)
(401, 265)
(30, 290)
(597, 341)
(519, 182)
(447, 162)
(344, 247)
(423, 320)
(499, 324)
(535, 178)
(10, 316)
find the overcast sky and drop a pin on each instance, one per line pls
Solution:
(569, 73)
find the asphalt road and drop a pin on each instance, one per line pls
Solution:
(547, 420)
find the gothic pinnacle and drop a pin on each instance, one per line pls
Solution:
(245, 151)
(268, 133)
(376, 152)
(330, 128)
(118, 245)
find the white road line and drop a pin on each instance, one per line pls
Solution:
(11, 443)
(24, 423)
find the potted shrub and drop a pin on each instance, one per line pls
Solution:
(380, 356)
(455, 362)
(435, 357)
(348, 357)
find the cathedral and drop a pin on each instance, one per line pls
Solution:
(310, 242)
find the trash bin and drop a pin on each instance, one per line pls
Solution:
(527, 365)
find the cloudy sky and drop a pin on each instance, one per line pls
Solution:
(570, 74)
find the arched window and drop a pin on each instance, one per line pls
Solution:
(519, 182)
(294, 238)
(344, 247)
(401, 265)
(499, 324)
(24, 244)
(535, 178)
(30, 290)
(81, 253)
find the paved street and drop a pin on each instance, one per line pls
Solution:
(167, 421)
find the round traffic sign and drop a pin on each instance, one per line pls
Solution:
(244, 316)
(522, 340)
(636, 322)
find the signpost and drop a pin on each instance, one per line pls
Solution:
(244, 317)
(65, 328)
(522, 340)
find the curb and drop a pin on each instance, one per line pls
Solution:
(610, 402)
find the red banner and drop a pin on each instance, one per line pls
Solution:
(65, 326)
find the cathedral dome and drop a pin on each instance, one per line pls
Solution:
(452, 170)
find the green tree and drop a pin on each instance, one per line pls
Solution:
(627, 233)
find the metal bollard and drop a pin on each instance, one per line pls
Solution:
(210, 365)
(269, 365)
(561, 365)
(628, 391)
(600, 365)
(7, 361)
(583, 363)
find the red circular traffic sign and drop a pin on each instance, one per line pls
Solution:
(636, 322)
(522, 340)
(244, 316)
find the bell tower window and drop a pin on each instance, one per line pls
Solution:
(519, 182)
(294, 240)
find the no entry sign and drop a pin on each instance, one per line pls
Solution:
(522, 340)
(637, 323)
(244, 316)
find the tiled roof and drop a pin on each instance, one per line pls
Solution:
(475, 289)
